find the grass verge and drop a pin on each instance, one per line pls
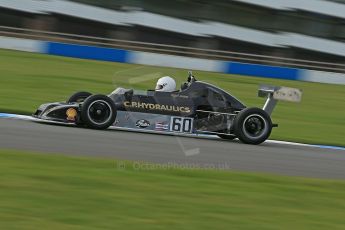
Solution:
(41, 191)
(28, 80)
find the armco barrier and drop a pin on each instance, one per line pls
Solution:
(144, 58)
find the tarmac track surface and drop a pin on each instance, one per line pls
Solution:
(283, 159)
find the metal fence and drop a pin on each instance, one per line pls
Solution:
(172, 49)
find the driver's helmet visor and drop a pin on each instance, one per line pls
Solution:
(159, 87)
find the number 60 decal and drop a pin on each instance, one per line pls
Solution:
(181, 124)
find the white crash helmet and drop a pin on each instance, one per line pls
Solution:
(166, 84)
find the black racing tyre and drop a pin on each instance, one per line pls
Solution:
(98, 112)
(226, 137)
(79, 97)
(252, 126)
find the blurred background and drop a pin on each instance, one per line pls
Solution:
(313, 30)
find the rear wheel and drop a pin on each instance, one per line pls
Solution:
(252, 126)
(98, 112)
(78, 97)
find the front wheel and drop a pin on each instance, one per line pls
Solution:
(252, 126)
(78, 97)
(98, 112)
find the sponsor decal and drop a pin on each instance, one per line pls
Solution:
(142, 123)
(150, 106)
(161, 126)
(71, 114)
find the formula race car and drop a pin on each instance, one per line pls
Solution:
(197, 108)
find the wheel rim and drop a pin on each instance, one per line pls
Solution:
(254, 126)
(99, 112)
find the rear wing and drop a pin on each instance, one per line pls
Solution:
(278, 93)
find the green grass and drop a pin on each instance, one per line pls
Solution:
(40, 191)
(27, 80)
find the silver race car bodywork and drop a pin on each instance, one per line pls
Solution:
(198, 108)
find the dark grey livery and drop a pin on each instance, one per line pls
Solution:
(197, 108)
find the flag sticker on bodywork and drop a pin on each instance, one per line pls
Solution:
(162, 126)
